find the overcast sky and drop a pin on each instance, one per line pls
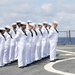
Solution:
(62, 11)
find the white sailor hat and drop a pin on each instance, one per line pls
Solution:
(18, 21)
(2, 28)
(29, 21)
(50, 24)
(55, 22)
(23, 23)
(13, 24)
(31, 24)
(45, 22)
(7, 27)
(40, 24)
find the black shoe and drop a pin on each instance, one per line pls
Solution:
(11, 62)
(0, 66)
(5, 65)
(53, 61)
(57, 59)
(21, 67)
(28, 65)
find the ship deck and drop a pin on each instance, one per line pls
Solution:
(65, 65)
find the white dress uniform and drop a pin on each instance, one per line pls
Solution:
(48, 43)
(16, 49)
(12, 46)
(21, 38)
(53, 35)
(29, 46)
(34, 40)
(7, 48)
(32, 47)
(44, 49)
(38, 45)
(2, 47)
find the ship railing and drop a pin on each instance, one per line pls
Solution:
(69, 35)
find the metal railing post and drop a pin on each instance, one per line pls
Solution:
(67, 37)
(69, 34)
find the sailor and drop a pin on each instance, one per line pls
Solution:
(2, 46)
(48, 27)
(7, 45)
(18, 23)
(44, 50)
(53, 35)
(38, 42)
(34, 41)
(32, 44)
(13, 43)
(29, 43)
(21, 38)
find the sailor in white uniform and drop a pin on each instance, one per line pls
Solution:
(34, 41)
(44, 50)
(2, 46)
(21, 37)
(38, 42)
(13, 43)
(53, 35)
(18, 23)
(7, 45)
(48, 27)
(29, 43)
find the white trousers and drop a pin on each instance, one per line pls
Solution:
(1, 55)
(28, 53)
(21, 55)
(38, 51)
(33, 47)
(12, 51)
(44, 49)
(53, 45)
(6, 54)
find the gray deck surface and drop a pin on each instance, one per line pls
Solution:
(37, 68)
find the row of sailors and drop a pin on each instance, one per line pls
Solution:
(27, 43)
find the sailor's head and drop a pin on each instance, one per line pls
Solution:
(55, 24)
(31, 26)
(45, 24)
(14, 25)
(7, 28)
(34, 25)
(18, 23)
(23, 25)
(2, 30)
(49, 25)
(40, 25)
(29, 21)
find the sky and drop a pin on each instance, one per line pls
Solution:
(62, 11)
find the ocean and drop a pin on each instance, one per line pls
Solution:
(64, 40)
